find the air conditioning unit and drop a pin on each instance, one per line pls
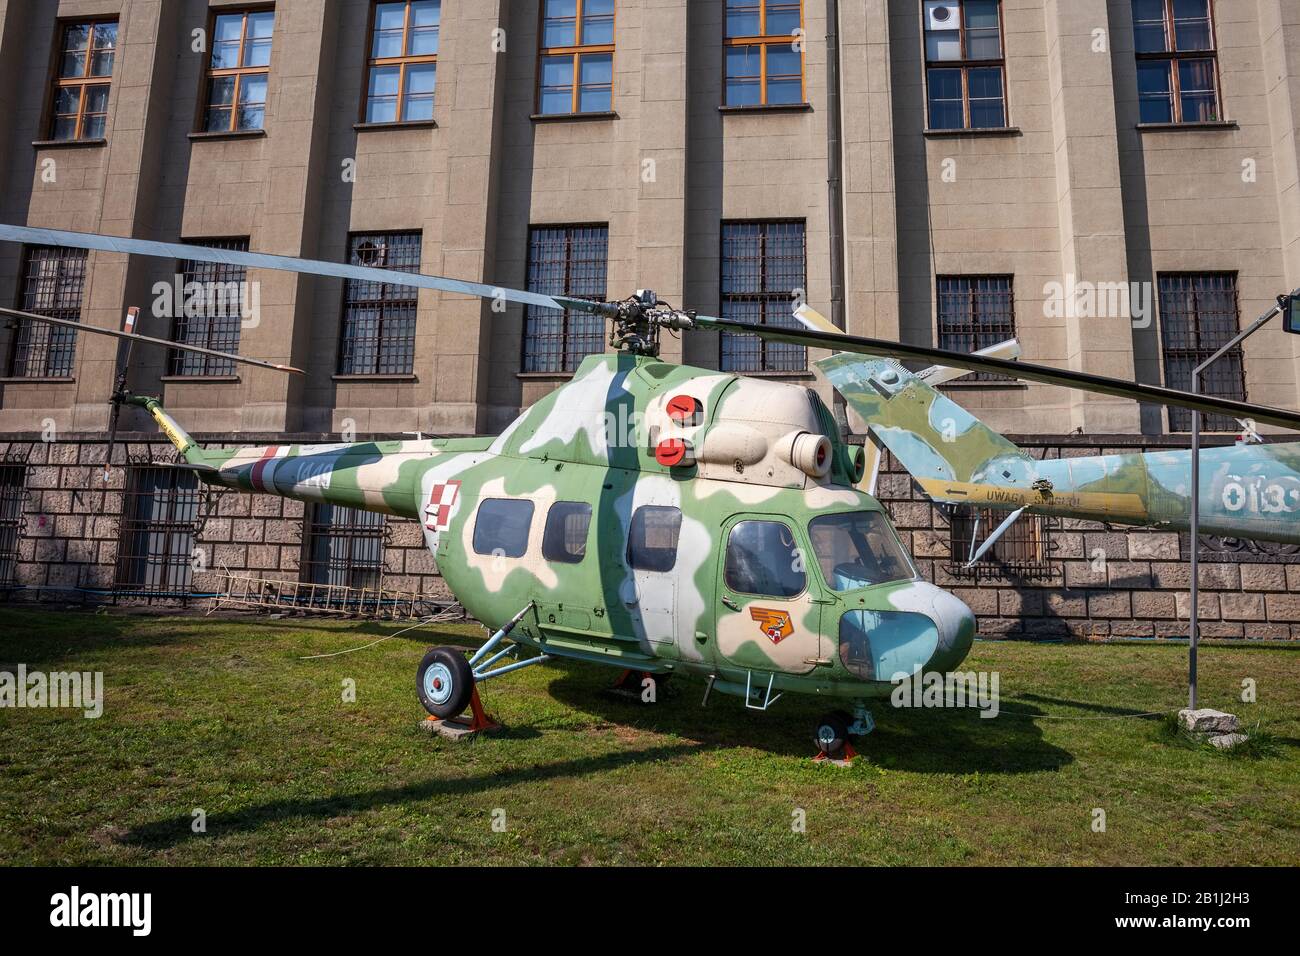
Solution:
(942, 15)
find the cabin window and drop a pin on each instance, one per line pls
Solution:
(85, 70)
(764, 274)
(1177, 65)
(213, 318)
(764, 53)
(53, 279)
(858, 549)
(1199, 314)
(565, 539)
(403, 61)
(160, 521)
(652, 539)
(501, 528)
(965, 64)
(569, 261)
(343, 547)
(762, 558)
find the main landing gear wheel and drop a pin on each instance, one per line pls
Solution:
(832, 733)
(444, 682)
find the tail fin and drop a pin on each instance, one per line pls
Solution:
(932, 436)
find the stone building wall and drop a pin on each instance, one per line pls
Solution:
(71, 525)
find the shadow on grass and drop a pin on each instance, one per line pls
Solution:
(172, 831)
(923, 741)
(1133, 712)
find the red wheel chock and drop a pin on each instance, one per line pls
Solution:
(843, 760)
(459, 726)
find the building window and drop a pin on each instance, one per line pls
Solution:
(1177, 67)
(160, 516)
(976, 312)
(1023, 551)
(576, 69)
(85, 66)
(1198, 316)
(571, 261)
(403, 61)
(343, 547)
(764, 55)
(12, 494)
(965, 64)
(53, 280)
(210, 312)
(763, 272)
(238, 71)
(378, 318)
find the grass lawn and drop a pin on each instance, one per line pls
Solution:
(225, 716)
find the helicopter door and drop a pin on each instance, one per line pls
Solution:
(769, 615)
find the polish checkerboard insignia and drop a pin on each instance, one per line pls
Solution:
(438, 511)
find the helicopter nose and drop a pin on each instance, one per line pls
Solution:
(956, 623)
(925, 629)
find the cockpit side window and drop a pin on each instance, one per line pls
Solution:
(858, 549)
(565, 538)
(652, 538)
(501, 527)
(763, 558)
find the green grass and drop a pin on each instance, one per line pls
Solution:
(225, 716)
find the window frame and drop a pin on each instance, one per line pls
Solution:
(677, 541)
(138, 563)
(29, 336)
(965, 65)
(210, 75)
(763, 297)
(566, 333)
(1174, 57)
(528, 528)
(763, 40)
(213, 337)
(986, 378)
(57, 82)
(577, 51)
(352, 531)
(726, 558)
(392, 296)
(566, 557)
(371, 62)
(13, 500)
(1208, 421)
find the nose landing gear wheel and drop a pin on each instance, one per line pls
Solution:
(444, 682)
(832, 734)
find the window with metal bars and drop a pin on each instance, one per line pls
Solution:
(378, 335)
(79, 109)
(53, 281)
(13, 479)
(975, 312)
(764, 55)
(210, 312)
(571, 261)
(764, 272)
(343, 547)
(1177, 64)
(1024, 550)
(1199, 314)
(403, 68)
(575, 70)
(238, 70)
(965, 64)
(160, 514)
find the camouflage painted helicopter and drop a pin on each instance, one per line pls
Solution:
(666, 519)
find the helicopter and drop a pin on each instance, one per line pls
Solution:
(665, 519)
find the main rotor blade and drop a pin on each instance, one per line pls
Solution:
(260, 260)
(1084, 381)
(136, 337)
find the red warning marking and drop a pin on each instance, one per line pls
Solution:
(255, 475)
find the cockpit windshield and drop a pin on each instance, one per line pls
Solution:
(858, 549)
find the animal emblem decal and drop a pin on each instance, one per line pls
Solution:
(438, 510)
(775, 625)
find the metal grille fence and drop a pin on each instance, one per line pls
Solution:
(1023, 551)
(378, 318)
(12, 495)
(764, 272)
(572, 261)
(1199, 314)
(212, 320)
(160, 517)
(53, 281)
(974, 313)
(343, 547)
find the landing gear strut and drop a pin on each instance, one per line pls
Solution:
(835, 730)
